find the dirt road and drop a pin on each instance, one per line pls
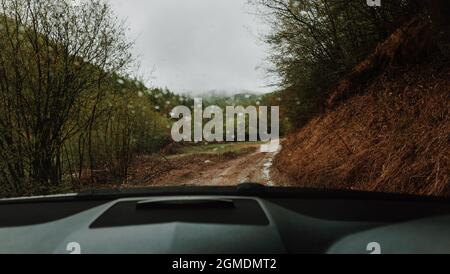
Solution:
(253, 167)
(203, 169)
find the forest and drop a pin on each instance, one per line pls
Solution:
(68, 107)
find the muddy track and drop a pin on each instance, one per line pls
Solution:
(253, 167)
(206, 170)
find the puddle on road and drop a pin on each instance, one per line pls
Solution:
(276, 147)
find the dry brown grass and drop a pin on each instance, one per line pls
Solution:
(394, 138)
(391, 135)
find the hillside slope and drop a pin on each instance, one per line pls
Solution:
(388, 124)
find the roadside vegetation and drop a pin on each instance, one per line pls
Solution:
(68, 108)
(366, 90)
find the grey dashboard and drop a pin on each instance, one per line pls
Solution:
(168, 224)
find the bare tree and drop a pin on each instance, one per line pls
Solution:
(55, 57)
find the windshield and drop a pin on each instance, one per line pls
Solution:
(99, 94)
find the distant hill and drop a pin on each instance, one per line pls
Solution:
(229, 99)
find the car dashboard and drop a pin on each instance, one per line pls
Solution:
(226, 224)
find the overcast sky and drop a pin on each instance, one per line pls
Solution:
(196, 45)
